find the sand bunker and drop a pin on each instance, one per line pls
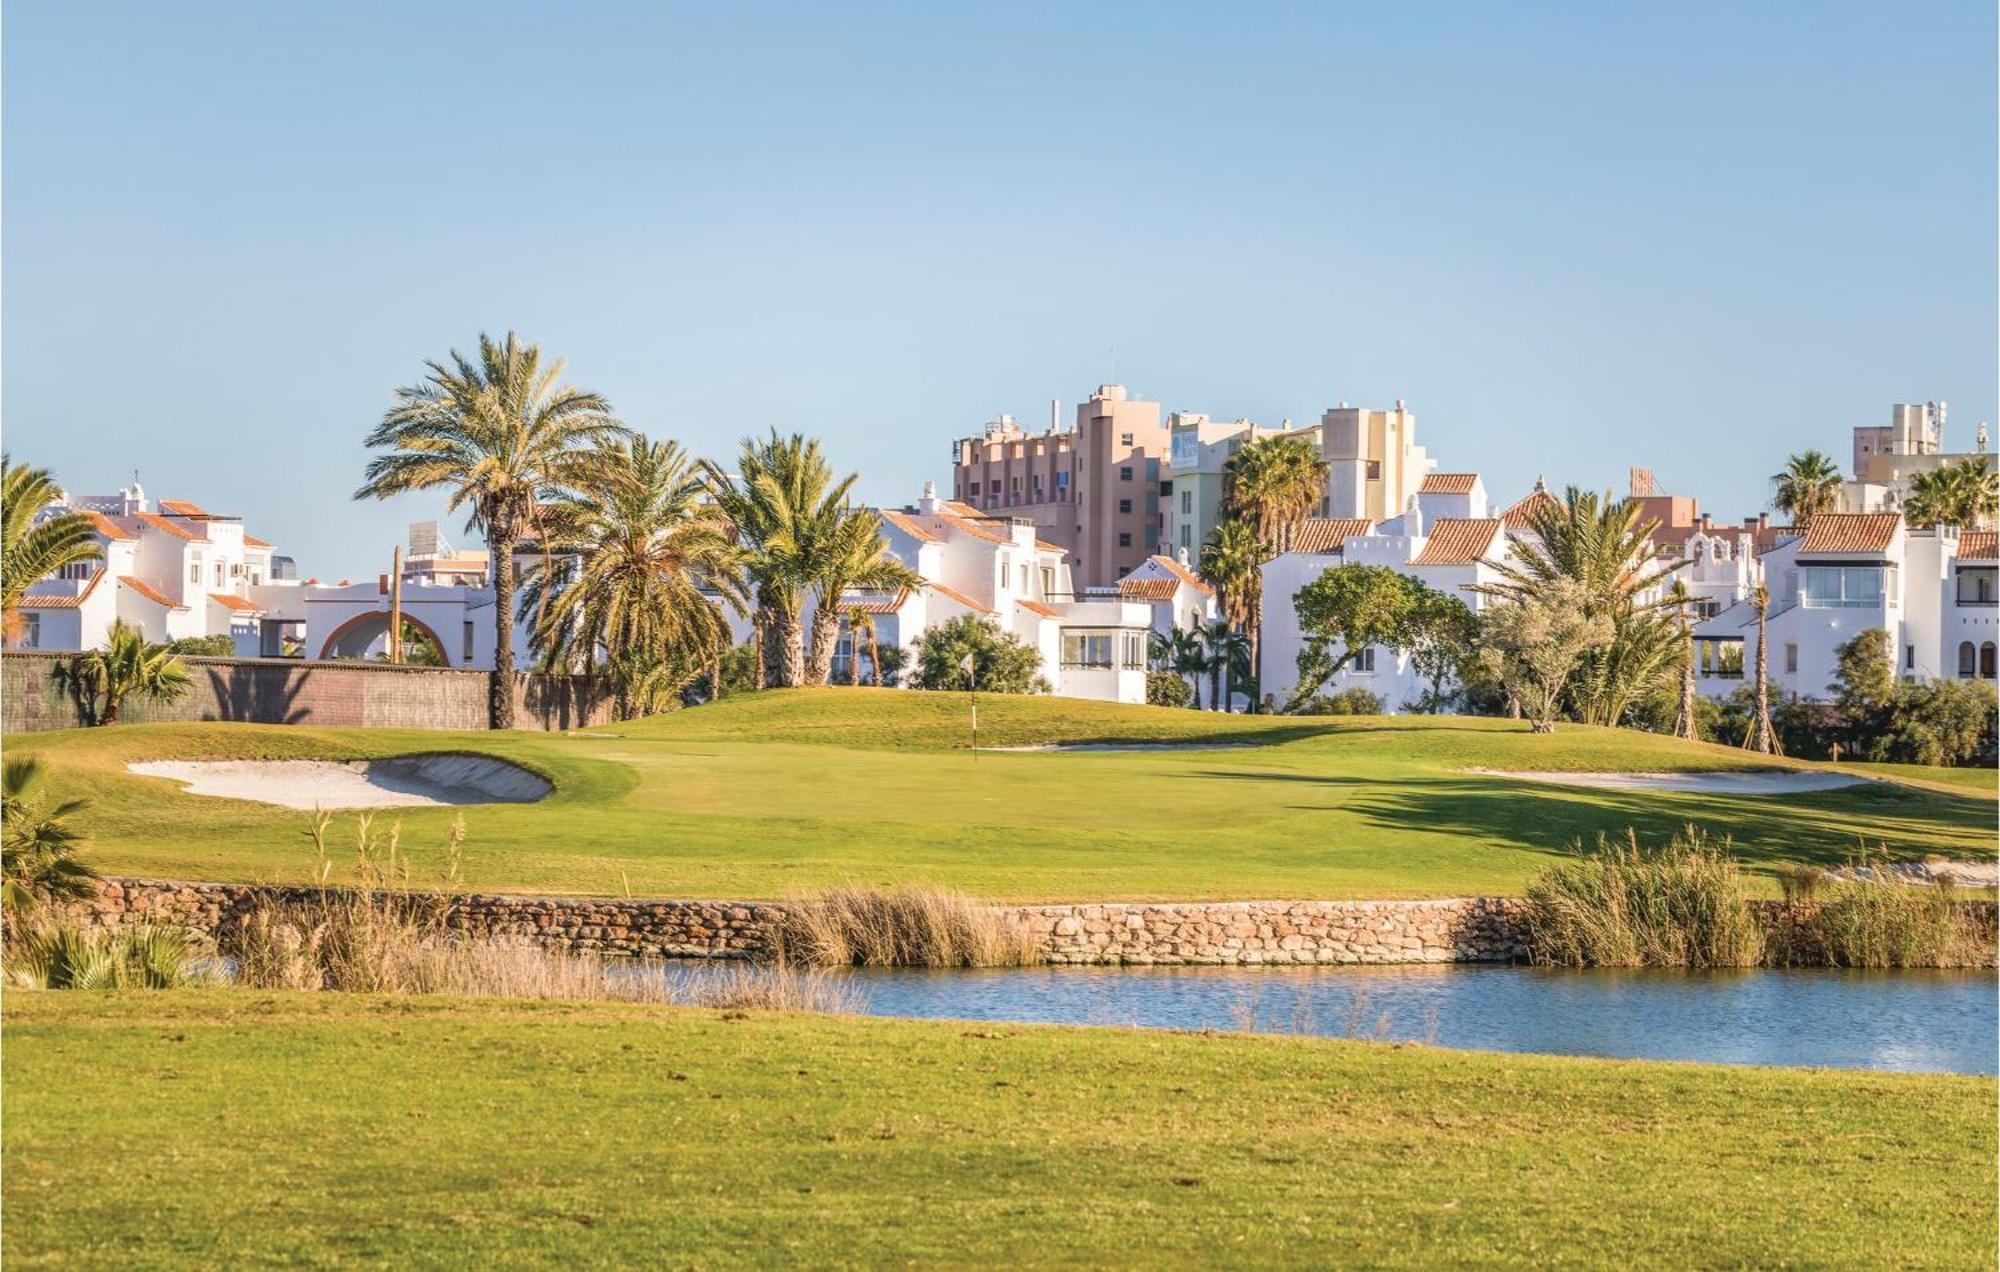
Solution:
(1721, 782)
(404, 782)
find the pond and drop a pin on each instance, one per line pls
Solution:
(1916, 1021)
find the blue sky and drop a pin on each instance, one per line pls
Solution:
(1573, 237)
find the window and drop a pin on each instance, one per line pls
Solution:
(1976, 584)
(1187, 535)
(1968, 660)
(256, 577)
(77, 571)
(219, 575)
(1842, 586)
(1124, 505)
(1187, 502)
(1125, 473)
(1721, 659)
(1986, 661)
(31, 631)
(1086, 649)
(1062, 481)
(1124, 439)
(1125, 540)
(1707, 607)
(194, 571)
(1909, 658)
(1135, 651)
(1023, 576)
(1791, 658)
(1364, 662)
(1048, 581)
(974, 488)
(1374, 470)
(465, 654)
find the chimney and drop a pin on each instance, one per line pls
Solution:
(1055, 415)
(929, 503)
(1707, 523)
(1763, 521)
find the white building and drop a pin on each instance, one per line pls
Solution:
(1888, 458)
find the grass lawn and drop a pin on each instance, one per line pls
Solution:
(774, 794)
(230, 1127)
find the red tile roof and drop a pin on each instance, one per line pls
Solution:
(1518, 514)
(252, 541)
(1046, 546)
(976, 530)
(31, 601)
(146, 590)
(182, 508)
(1459, 541)
(105, 526)
(1036, 607)
(1327, 534)
(157, 522)
(1851, 532)
(242, 605)
(1182, 573)
(1148, 589)
(1979, 545)
(877, 604)
(908, 525)
(960, 597)
(1448, 484)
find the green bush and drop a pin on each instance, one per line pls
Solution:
(1623, 905)
(68, 957)
(1355, 701)
(1878, 923)
(1165, 689)
(203, 646)
(1001, 663)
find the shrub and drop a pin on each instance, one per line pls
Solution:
(1873, 921)
(203, 646)
(69, 957)
(1352, 701)
(38, 844)
(907, 927)
(1623, 905)
(1165, 689)
(1001, 663)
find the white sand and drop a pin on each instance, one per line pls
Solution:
(405, 782)
(1723, 782)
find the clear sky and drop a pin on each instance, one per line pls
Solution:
(1574, 237)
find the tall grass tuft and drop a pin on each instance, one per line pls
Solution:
(61, 956)
(1874, 921)
(1683, 904)
(906, 927)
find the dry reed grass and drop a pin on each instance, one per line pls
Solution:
(903, 927)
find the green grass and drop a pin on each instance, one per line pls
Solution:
(778, 794)
(233, 1128)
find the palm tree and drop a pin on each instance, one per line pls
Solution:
(503, 436)
(1808, 486)
(30, 552)
(858, 621)
(853, 555)
(649, 567)
(1605, 547)
(1224, 650)
(38, 845)
(1274, 483)
(788, 512)
(1961, 493)
(1179, 652)
(1761, 738)
(127, 667)
(1684, 716)
(1233, 560)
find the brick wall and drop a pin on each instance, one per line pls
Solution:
(292, 691)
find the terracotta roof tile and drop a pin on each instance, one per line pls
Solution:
(961, 598)
(105, 526)
(876, 604)
(1327, 534)
(31, 601)
(1979, 545)
(147, 590)
(1182, 573)
(957, 508)
(1459, 541)
(252, 541)
(1148, 589)
(1519, 513)
(1036, 607)
(1448, 484)
(242, 605)
(157, 522)
(908, 525)
(1851, 532)
(973, 528)
(1046, 546)
(182, 508)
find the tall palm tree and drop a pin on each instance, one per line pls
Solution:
(1808, 485)
(788, 511)
(127, 667)
(1603, 546)
(1274, 483)
(502, 435)
(852, 554)
(860, 621)
(649, 567)
(31, 551)
(1961, 493)
(1684, 716)
(1224, 650)
(1233, 560)
(1761, 737)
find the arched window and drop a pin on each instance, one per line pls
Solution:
(1986, 669)
(1967, 660)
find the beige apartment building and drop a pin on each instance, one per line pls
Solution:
(1093, 490)
(1374, 465)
